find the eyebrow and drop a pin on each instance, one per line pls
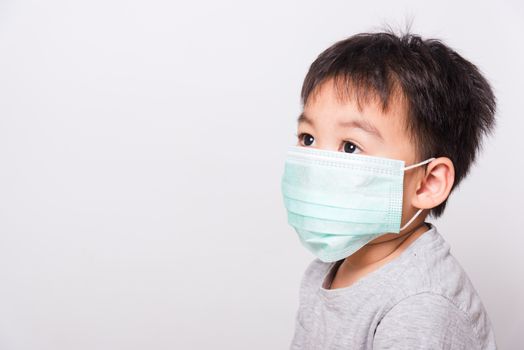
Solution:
(360, 124)
(303, 118)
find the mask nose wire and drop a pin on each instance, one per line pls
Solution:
(419, 164)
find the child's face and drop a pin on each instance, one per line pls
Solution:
(330, 124)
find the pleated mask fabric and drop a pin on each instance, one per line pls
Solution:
(337, 202)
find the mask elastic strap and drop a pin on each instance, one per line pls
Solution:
(419, 164)
(420, 210)
(411, 220)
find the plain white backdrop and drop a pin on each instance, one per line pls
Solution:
(141, 149)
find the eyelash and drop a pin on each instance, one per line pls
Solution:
(299, 136)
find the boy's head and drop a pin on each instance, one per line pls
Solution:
(399, 97)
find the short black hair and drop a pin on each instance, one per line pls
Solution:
(450, 105)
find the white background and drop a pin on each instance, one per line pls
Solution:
(141, 150)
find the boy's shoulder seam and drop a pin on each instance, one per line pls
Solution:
(441, 296)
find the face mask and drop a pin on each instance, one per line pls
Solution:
(337, 202)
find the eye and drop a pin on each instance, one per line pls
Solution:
(306, 139)
(350, 147)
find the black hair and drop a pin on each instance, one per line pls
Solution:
(450, 105)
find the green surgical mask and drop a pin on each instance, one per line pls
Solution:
(337, 202)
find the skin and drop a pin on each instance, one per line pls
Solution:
(331, 123)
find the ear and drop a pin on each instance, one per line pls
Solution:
(435, 184)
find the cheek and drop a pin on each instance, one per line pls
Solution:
(408, 191)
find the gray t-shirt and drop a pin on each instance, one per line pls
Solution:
(422, 299)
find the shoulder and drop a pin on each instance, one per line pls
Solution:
(431, 271)
(426, 321)
(432, 297)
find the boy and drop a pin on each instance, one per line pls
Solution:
(390, 126)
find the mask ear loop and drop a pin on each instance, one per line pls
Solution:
(420, 210)
(411, 220)
(419, 164)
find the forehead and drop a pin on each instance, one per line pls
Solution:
(336, 102)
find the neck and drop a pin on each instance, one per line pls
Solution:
(385, 247)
